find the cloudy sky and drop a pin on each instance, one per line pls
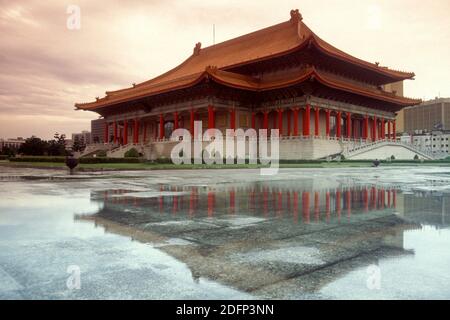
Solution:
(45, 67)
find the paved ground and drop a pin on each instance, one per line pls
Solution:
(226, 234)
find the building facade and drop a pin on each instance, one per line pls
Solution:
(83, 138)
(428, 116)
(11, 143)
(98, 131)
(282, 77)
(435, 142)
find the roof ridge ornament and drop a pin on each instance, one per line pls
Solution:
(197, 48)
(296, 16)
(211, 69)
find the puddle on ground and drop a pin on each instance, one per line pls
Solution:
(300, 235)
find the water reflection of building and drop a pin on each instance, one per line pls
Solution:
(231, 231)
(277, 199)
(425, 207)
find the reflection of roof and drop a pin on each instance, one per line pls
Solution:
(249, 83)
(263, 44)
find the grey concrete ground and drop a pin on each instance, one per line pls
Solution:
(226, 234)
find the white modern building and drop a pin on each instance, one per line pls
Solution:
(435, 142)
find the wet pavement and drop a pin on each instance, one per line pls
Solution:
(350, 233)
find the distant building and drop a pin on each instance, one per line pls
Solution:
(83, 138)
(98, 131)
(435, 142)
(11, 143)
(428, 116)
(69, 144)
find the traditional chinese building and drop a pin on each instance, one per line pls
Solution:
(323, 100)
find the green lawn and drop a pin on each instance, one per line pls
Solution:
(156, 166)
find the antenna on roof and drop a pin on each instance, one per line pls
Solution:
(214, 34)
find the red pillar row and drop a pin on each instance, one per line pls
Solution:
(115, 131)
(266, 120)
(366, 128)
(125, 132)
(349, 125)
(389, 130)
(316, 121)
(374, 129)
(289, 132)
(307, 121)
(327, 122)
(338, 124)
(136, 131)
(394, 133)
(233, 119)
(295, 112)
(280, 121)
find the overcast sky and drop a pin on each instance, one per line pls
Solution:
(45, 67)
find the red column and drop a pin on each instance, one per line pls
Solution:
(316, 122)
(125, 132)
(366, 128)
(349, 203)
(327, 122)
(366, 200)
(328, 206)
(233, 119)
(374, 129)
(389, 130)
(280, 121)
(305, 206)
(307, 121)
(266, 120)
(136, 131)
(232, 200)
(295, 111)
(211, 200)
(394, 133)
(338, 204)
(161, 126)
(338, 125)
(349, 125)
(175, 120)
(383, 128)
(289, 133)
(115, 132)
(316, 206)
(192, 120)
(254, 120)
(211, 120)
(106, 137)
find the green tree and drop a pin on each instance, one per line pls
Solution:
(33, 146)
(132, 153)
(57, 146)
